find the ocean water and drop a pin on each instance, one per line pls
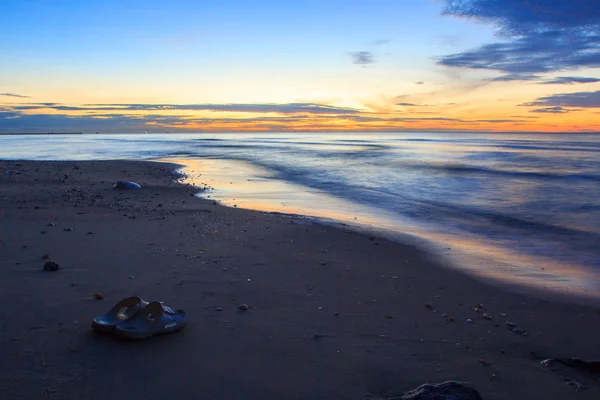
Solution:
(520, 208)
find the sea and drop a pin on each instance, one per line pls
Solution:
(518, 209)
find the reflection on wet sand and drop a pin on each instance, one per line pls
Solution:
(241, 184)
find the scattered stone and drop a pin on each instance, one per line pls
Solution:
(51, 266)
(449, 390)
(243, 307)
(520, 331)
(318, 335)
(127, 185)
(469, 321)
(388, 316)
(68, 229)
(45, 257)
(511, 324)
(219, 308)
(131, 277)
(428, 305)
(98, 296)
(51, 224)
(487, 316)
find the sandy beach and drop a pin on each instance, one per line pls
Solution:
(333, 314)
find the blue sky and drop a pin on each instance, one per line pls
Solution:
(358, 54)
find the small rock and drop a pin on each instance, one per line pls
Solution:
(243, 307)
(126, 185)
(68, 229)
(45, 257)
(469, 321)
(131, 277)
(520, 331)
(98, 296)
(219, 309)
(428, 305)
(511, 324)
(51, 266)
(50, 224)
(487, 316)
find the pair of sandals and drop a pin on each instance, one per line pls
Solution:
(134, 318)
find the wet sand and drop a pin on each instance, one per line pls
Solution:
(333, 314)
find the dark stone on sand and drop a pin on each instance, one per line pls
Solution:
(243, 307)
(449, 390)
(126, 185)
(51, 266)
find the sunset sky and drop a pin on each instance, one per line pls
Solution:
(410, 65)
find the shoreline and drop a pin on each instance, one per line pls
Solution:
(334, 314)
(437, 250)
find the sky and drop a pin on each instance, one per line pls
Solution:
(233, 65)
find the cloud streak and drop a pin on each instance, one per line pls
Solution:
(578, 99)
(285, 108)
(569, 80)
(20, 96)
(551, 110)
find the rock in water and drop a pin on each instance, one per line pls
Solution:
(443, 391)
(127, 185)
(51, 266)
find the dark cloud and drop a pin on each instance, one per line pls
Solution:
(420, 83)
(408, 104)
(286, 108)
(551, 110)
(569, 80)
(536, 53)
(362, 57)
(579, 99)
(541, 35)
(515, 77)
(14, 95)
(520, 17)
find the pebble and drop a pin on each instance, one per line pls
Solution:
(51, 266)
(219, 308)
(243, 307)
(469, 320)
(98, 296)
